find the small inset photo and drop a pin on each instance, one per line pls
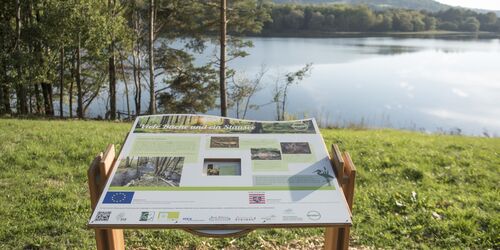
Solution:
(266, 154)
(139, 171)
(222, 167)
(295, 148)
(224, 142)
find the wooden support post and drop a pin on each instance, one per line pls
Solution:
(338, 164)
(345, 171)
(348, 188)
(98, 173)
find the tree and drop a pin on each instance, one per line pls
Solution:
(243, 89)
(362, 18)
(188, 88)
(385, 22)
(22, 106)
(294, 19)
(471, 24)
(112, 67)
(448, 26)
(236, 17)
(402, 21)
(152, 96)
(138, 27)
(430, 23)
(282, 86)
(316, 21)
(93, 31)
(222, 61)
(329, 21)
(488, 21)
(418, 24)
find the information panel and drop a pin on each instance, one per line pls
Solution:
(199, 171)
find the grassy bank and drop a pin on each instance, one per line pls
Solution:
(413, 190)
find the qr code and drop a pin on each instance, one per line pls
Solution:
(103, 216)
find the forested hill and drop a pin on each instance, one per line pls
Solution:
(429, 5)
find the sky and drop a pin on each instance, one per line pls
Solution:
(478, 4)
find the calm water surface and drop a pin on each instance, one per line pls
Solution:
(424, 84)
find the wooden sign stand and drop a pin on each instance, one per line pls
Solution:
(335, 237)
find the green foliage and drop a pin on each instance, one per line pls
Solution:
(471, 24)
(46, 28)
(282, 85)
(412, 191)
(189, 89)
(361, 18)
(428, 5)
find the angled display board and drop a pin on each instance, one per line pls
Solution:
(197, 171)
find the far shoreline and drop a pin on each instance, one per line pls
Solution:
(418, 34)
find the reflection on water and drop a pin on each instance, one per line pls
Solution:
(430, 84)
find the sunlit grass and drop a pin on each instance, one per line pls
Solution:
(413, 190)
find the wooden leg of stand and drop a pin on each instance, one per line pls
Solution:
(347, 231)
(94, 190)
(98, 174)
(331, 238)
(338, 237)
(350, 172)
(115, 239)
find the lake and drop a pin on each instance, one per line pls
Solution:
(420, 84)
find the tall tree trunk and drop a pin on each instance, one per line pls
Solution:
(51, 101)
(283, 103)
(21, 97)
(152, 97)
(28, 84)
(222, 73)
(4, 93)
(112, 67)
(125, 82)
(2, 96)
(2, 109)
(5, 89)
(136, 60)
(2, 99)
(79, 107)
(30, 99)
(46, 98)
(61, 82)
(137, 80)
(112, 84)
(39, 88)
(28, 18)
(70, 93)
(6, 98)
(21, 89)
(38, 99)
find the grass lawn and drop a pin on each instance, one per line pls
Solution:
(413, 191)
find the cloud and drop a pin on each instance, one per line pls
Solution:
(407, 86)
(459, 92)
(451, 115)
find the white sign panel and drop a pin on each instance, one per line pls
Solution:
(197, 171)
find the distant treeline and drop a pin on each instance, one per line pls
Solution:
(360, 18)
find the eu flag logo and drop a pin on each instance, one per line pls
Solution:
(118, 197)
